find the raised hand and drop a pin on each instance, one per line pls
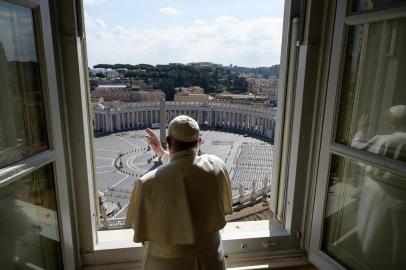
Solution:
(154, 142)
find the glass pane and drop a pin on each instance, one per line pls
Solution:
(372, 112)
(22, 121)
(365, 220)
(29, 225)
(363, 5)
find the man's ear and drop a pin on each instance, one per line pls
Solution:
(168, 141)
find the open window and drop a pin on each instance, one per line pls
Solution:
(36, 226)
(240, 129)
(360, 207)
(235, 106)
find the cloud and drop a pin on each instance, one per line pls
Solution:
(169, 11)
(225, 20)
(94, 23)
(199, 22)
(224, 40)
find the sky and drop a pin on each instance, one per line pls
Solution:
(239, 32)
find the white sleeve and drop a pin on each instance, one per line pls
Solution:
(165, 159)
(359, 140)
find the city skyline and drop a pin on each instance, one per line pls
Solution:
(176, 63)
(242, 33)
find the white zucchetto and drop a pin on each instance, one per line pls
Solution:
(398, 112)
(184, 129)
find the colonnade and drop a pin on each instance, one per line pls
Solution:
(250, 118)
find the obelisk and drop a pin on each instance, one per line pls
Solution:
(162, 122)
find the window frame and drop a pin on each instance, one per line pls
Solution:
(344, 19)
(72, 64)
(55, 154)
(277, 235)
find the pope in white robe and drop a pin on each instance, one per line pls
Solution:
(178, 209)
(381, 218)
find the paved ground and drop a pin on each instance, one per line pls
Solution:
(248, 160)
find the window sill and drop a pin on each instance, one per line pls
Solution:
(116, 246)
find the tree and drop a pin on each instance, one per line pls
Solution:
(103, 66)
(239, 84)
(167, 87)
(204, 82)
(100, 75)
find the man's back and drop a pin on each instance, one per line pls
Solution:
(178, 202)
(179, 208)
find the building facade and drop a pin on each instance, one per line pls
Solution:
(245, 118)
(126, 94)
(242, 98)
(191, 94)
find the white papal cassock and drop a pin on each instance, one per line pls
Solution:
(381, 217)
(178, 210)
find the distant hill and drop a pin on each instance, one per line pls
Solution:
(266, 72)
(213, 78)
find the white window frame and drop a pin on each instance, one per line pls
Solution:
(328, 147)
(55, 155)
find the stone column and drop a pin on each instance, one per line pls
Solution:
(156, 120)
(268, 127)
(125, 120)
(242, 123)
(104, 118)
(211, 118)
(95, 118)
(220, 118)
(109, 121)
(98, 121)
(118, 119)
(101, 121)
(199, 118)
(162, 117)
(149, 117)
(98, 125)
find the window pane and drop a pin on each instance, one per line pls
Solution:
(365, 220)
(372, 112)
(363, 5)
(29, 225)
(22, 122)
